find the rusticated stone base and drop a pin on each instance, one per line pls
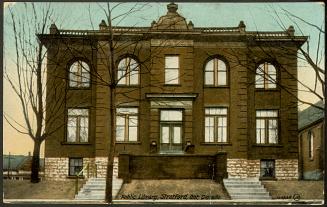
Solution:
(243, 168)
(285, 169)
(58, 168)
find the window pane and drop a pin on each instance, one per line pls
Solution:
(165, 134)
(132, 121)
(85, 79)
(209, 134)
(79, 74)
(120, 120)
(72, 80)
(127, 110)
(77, 112)
(172, 62)
(259, 81)
(216, 111)
(122, 77)
(221, 65)
(272, 81)
(222, 78)
(171, 115)
(120, 133)
(209, 66)
(132, 136)
(171, 76)
(273, 131)
(84, 129)
(177, 135)
(71, 129)
(134, 77)
(209, 78)
(260, 128)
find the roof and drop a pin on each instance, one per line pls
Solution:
(310, 115)
(173, 23)
(17, 162)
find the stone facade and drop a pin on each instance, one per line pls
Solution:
(285, 169)
(57, 168)
(243, 168)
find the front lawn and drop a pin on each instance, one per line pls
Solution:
(24, 189)
(289, 189)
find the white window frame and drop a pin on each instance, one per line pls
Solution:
(76, 118)
(128, 69)
(216, 118)
(266, 76)
(127, 120)
(214, 69)
(265, 128)
(172, 67)
(79, 75)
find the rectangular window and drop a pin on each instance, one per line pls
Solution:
(267, 168)
(216, 125)
(78, 125)
(172, 70)
(266, 126)
(75, 166)
(127, 124)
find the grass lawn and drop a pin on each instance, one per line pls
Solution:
(173, 189)
(287, 189)
(24, 189)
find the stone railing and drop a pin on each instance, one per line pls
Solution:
(219, 29)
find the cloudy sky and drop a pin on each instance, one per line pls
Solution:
(257, 16)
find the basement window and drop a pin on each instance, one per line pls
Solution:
(75, 166)
(267, 169)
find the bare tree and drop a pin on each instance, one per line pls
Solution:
(27, 76)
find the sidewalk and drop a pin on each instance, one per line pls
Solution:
(230, 202)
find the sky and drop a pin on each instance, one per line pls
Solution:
(256, 16)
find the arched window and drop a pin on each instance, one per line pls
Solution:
(266, 76)
(128, 72)
(215, 73)
(79, 74)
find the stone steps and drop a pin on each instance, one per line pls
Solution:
(246, 188)
(94, 189)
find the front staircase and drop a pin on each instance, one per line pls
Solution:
(246, 188)
(94, 189)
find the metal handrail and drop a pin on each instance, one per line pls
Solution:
(86, 167)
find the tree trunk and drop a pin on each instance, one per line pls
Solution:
(112, 140)
(36, 162)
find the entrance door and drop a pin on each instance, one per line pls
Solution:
(171, 131)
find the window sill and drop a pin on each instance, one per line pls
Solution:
(128, 86)
(216, 86)
(79, 88)
(120, 142)
(267, 178)
(177, 85)
(74, 177)
(266, 89)
(267, 145)
(217, 143)
(76, 143)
